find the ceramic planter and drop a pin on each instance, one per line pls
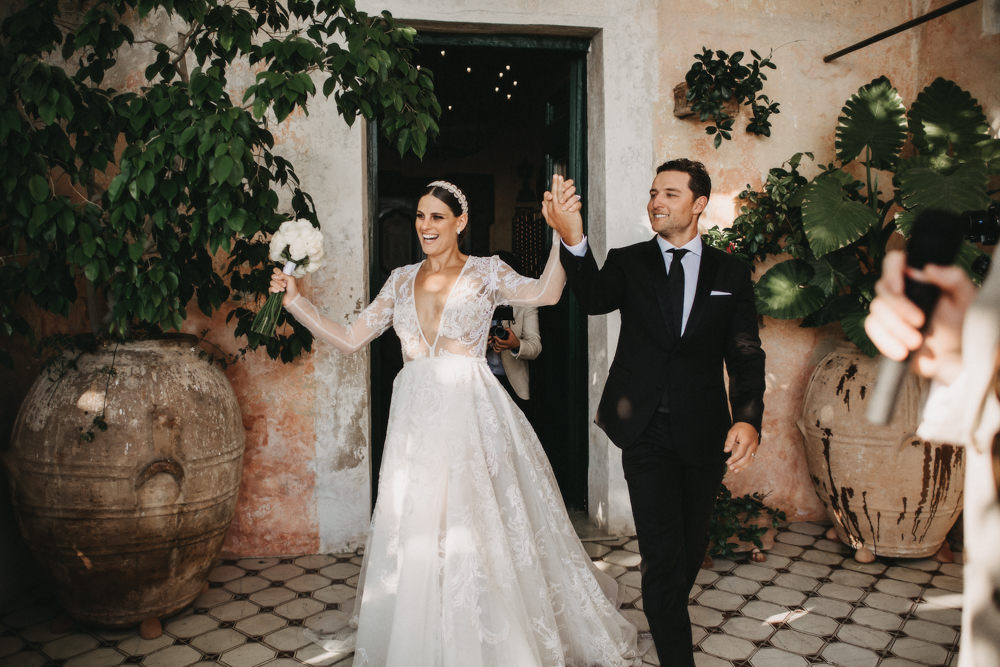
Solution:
(888, 492)
(129, 521)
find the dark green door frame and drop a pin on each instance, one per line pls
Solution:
(565, 381)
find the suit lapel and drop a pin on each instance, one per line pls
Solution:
(658, 269)
(706, 278)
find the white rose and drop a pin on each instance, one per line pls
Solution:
(300, 242)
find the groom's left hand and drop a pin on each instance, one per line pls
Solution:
(741, 445)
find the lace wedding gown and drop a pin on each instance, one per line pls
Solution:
(471, 560)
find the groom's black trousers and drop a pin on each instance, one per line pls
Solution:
(672, 496)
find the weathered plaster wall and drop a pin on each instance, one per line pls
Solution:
(620, 150)
(964, 46)
(306, 474)
(306, 479)
(811, 94)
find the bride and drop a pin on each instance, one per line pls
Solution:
(471, 560)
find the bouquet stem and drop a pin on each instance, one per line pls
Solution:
(267, 318)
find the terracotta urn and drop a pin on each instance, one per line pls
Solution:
(129, 519)
(887, 491)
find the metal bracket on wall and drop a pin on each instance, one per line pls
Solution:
(898, 29)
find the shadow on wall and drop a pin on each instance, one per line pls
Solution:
(17, 568)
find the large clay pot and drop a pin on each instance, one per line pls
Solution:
(888, 492)
(127, 520)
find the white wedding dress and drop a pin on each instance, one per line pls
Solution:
(471, 560)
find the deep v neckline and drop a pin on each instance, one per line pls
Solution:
(444, 308)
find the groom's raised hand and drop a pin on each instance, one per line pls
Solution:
(561, 210)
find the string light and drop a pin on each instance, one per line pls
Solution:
(508, 96)
(508, 68)
(515, 83)
(468, 70)
(497, 89)
(442, 52)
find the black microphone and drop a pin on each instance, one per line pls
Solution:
(934, 239)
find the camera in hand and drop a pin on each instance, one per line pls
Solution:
(500, 315)
(983, 227)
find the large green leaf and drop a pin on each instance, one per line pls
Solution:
(960, 188)
(824, 277)
(854, 326)
(989, 152)
(946, 119)
(970, 256)
(832, 310)
(831, 220)
(844, 266)
(785, 291)
(873, 118)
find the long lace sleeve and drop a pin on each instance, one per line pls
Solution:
(370, 324)
(518, 290)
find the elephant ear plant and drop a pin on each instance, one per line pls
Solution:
(163, 194)
(938, 155)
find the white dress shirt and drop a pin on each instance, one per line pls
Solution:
(691, 261)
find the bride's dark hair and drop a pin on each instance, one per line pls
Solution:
(450, 194)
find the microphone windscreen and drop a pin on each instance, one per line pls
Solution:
(934, 238)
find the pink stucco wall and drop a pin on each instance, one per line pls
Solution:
(277, 510)
(811, 94)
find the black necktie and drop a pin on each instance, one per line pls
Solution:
(675, 288)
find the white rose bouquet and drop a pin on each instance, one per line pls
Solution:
(300, 246)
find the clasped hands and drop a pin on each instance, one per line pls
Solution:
(561, 210)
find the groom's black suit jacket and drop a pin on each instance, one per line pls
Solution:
(651, 361)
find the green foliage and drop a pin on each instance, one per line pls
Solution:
(139, 191)
(770, 220)
(836, 228)
(733, 518)
(872, 120)
(716, 78)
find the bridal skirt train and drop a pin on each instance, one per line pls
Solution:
(472, 560)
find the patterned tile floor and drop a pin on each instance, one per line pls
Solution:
(809, 603)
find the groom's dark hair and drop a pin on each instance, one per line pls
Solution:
(698, 179)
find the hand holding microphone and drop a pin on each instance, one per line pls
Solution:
(918, 311)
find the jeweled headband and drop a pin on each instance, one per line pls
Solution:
(453, 189)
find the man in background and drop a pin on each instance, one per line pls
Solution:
(508, 356)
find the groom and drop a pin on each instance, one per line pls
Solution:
(687, 311)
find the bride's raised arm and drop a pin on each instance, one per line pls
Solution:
(513, 288)
(369, 325)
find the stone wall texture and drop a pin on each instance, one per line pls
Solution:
(307, 471)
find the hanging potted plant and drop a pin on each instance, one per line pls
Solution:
(155, 200)
(836, 229)
(718, 84)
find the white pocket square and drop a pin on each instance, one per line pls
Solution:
(717, 293)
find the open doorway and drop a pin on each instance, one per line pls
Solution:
(513, 110)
